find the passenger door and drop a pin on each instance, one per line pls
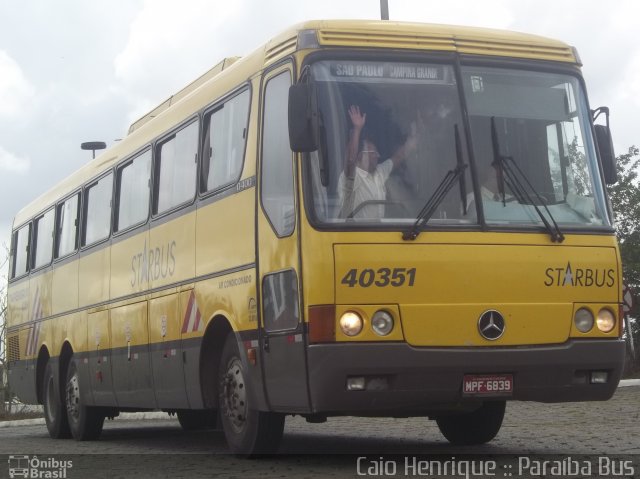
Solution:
(282, 339)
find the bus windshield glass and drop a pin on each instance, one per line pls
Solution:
(392, 133)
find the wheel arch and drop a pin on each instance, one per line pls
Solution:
(65, 357)
(41, 365)
(210, 352)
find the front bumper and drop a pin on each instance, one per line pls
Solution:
(408, 380)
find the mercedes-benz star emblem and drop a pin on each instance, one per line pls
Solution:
(491, 325)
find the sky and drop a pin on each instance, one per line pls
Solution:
(76, 70)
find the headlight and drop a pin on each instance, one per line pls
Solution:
(382, 323)
(583, 320)
(351, 323)
(606, 321)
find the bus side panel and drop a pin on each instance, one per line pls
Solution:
(131, 365)
(191, 325)
(100, 373)
(171, 251)
(225, 241)
(166, 351)
(65, 287)
(225, 233)
(39, 307)
(94, 272)
(18, 303)
(21, 371)
(171, 260)
(129, 265)
(21, 376)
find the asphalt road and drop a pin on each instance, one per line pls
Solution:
(159, 448)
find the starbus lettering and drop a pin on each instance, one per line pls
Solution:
(153, 263)
(586, 277)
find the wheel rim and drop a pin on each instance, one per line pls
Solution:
(234, 396)
(73, 397)
(50, 400)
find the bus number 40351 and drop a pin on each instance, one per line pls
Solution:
(381, 277)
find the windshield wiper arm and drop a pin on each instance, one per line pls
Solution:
(439, 194)
(516, 180)
(460, 163)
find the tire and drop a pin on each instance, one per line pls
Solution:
(55, 415)
(197, 420)
(85, 422)
(477, 427)
(249, 432)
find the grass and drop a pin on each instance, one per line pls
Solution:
(19, 415)
(15, 411)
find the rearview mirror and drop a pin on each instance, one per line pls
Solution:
(605, 147)
(607, 155)
(303, 118)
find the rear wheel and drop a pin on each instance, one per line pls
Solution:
(247, 430)
(475, 427)
(85, 422)
(55, 415)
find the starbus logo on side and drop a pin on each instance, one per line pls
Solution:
(586, 277)
(153, 263)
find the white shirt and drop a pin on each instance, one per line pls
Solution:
(364, 186)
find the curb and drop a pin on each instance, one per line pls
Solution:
(154, 415)
(125, 416)
(629, 382)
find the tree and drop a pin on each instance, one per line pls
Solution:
(625, 200)
(4, 258)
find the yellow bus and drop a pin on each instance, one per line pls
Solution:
(364, 218)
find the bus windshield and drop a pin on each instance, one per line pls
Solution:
(392, 133)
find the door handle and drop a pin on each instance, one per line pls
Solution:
(265, 345)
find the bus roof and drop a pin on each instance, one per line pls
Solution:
(231, 72)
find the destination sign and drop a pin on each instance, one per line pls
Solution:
(388, 71)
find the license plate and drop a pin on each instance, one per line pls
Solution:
(487, 385)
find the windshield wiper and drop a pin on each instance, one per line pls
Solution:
(460, 163)
(441, 192)
(516, 180)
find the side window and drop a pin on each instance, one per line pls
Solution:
(133, 192)
(176, 166)
(224, 142)
(68, 221)
(97, 223)
(277, 165)
(20, 263)
(43, 235)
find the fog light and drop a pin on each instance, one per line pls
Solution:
(606, 321)
(599, 377)
(356, 383)
(583, 320)
(351, 323)
(382, 323)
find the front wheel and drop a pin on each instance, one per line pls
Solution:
(477, 427)
(248, 431)
(85, 422)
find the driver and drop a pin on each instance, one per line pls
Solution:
(363, 178)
